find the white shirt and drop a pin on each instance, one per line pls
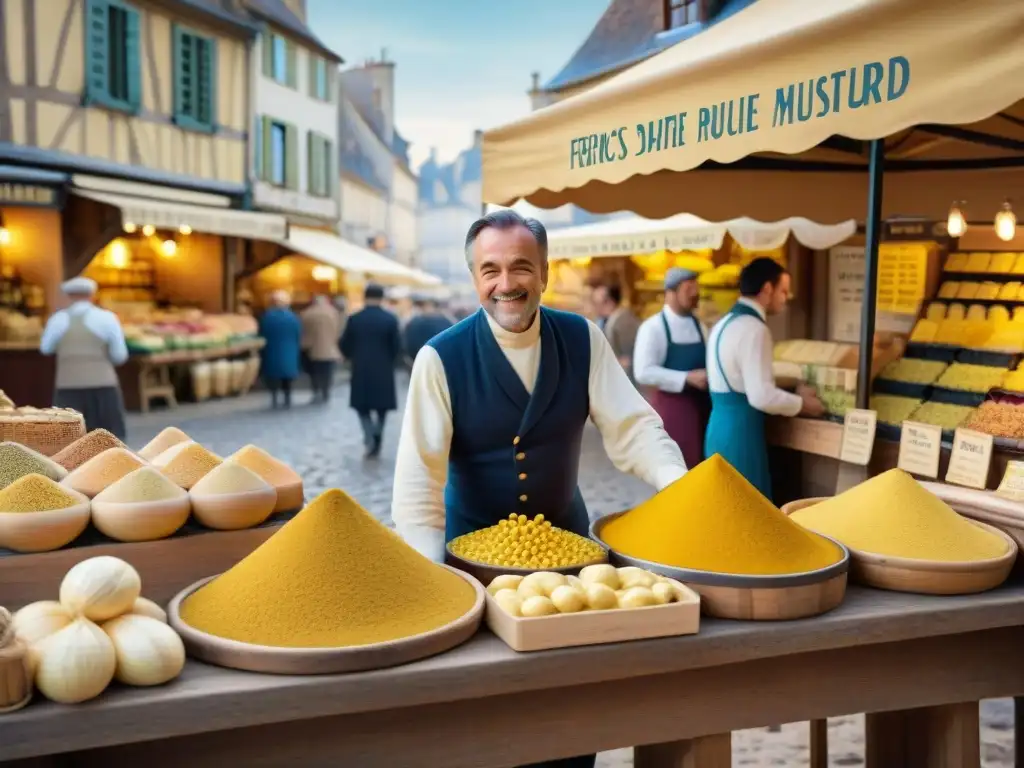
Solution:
(102, 323)
(633, 434)
(746, 355)
(652, 347)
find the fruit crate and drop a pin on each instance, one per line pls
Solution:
(1008, 397)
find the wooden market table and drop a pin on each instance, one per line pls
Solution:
(924, 662)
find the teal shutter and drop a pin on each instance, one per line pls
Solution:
(291, 157)
(207, 81)
(267, 45)
(182, 65)
(97, 50)
(257, 147)
(291, 63)
(133, 59)
(312, 76)
(267, 149)
(310, 160)
(329, 171)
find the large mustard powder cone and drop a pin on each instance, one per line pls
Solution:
(713, 519)
(892, 514)
(331, 577)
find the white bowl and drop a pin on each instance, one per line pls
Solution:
(140, 520)
(44, 531)
(232, 511)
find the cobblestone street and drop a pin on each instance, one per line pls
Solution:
(324, 444)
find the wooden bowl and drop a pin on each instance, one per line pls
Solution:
(750, 598)
(44, 531)
(233, 511)
(925, 577)
(322, 661)
(142, 520)
(485, 573)
(289, 497)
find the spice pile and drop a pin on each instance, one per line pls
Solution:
(331, 577)
(229, 478)
(103, 470)
(999, 420)
(285, 480)
(522, 543)
(713, 519)
(17, 461)
(186, 463)
(891, 514)
(35, 493)
(84, 448)
(142, 485)
(168, 437)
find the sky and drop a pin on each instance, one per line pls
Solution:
(459, 64)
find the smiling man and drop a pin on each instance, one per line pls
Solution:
(497, 404)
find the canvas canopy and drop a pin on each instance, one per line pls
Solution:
(685, 232)
(789, 86)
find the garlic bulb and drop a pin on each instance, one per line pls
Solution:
(39, 620)
(144, 607)
(74, 664)
(148, 651)
(100, 588)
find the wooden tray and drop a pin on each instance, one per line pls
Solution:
(485, 574)
(926, 577)
(750, 598)
(595, 627)
(322, 661)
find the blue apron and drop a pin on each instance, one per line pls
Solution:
(685, 414)
(736, 428)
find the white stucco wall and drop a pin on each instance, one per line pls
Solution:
(404, 234)
(296, 107)
(364, 211)
(442, 233)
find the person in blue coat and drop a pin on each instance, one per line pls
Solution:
(372, 344)
(281, 329)
(425, 325)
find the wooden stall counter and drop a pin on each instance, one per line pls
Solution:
(27, 375)
(483, 705)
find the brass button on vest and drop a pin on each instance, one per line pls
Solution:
(516, 440)
(523, 497)
(522, 475)
(520, 456)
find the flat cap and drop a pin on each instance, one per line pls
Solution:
(79, 286)
(676, 276)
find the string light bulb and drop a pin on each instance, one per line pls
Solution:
(956, 223)
(168, 248)
(1006, 223)
(185, 229)
(148, 230)
(117, 256)
(5, 236)
(129, 227)
(324, 274)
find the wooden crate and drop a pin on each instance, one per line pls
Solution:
(595, 627)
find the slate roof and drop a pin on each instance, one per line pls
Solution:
(279, 14)
(359, 93)
(224, 11)
(440, 185)
(629, 32)
(353, 157)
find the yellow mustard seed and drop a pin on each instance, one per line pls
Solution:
(519, 542)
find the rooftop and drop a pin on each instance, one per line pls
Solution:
(440, 185)
(353, 157)
(280, 15)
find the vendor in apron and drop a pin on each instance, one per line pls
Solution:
(497, 405)
(739, 366)
(670, 355)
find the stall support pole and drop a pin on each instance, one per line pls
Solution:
(873, 236)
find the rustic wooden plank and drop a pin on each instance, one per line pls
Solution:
(931, 737)
(510, 729)
(706, 752)
(818, 743)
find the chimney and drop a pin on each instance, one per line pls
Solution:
(383, 55)
(535, 76)
(478, 137)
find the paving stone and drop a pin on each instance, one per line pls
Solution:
(324, 444)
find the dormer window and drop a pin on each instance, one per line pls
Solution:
(679, 13)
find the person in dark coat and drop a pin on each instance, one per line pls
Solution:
(372, 344)
(425, 325)
(282, 331)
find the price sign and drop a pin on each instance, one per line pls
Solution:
(858, 436)
(970, 460)
(920, 446)
(1012, 485)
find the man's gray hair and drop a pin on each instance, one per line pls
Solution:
(506, 218)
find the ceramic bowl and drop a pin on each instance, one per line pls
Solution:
(44, 531)
(289, 497)
(140, 520)
(232, 511)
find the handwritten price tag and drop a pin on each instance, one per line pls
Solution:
(1012, 485)
(920, 446)
(970, 460)
(858, 436)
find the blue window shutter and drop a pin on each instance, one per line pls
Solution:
(267, 149)
(291, 75)
(133, 59)
(310, 168)
(182, 86)
(291, 157)
(328, 168)
(257, 147)
(311, 85)
(267, 48)
(97, 50)
(207, 81)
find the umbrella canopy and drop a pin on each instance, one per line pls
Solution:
(789, 86)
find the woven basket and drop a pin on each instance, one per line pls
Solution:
(15, 667)
(47, 430)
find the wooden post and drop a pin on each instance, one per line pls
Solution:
(819, 743)
(704, 752)
(933, 737)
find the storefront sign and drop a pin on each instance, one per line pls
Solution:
(1012, 485)
(33, 195)
(858, 436)
(970, 459)
(902, 275)
(914, 230)
(920, 446)
(845, 292)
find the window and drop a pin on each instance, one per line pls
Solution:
(194, 79)
(679, 13)
(277, 153)
(112, 55)
(279, 60)
(319, 85)
(320, 165)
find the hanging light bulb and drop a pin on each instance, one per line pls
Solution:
(324, 274)
(148, 230)
(956, 224)
(129, 227)
(117, 256)
(1006, 223)
(168, 248)
(5, 236)
(185, 229)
